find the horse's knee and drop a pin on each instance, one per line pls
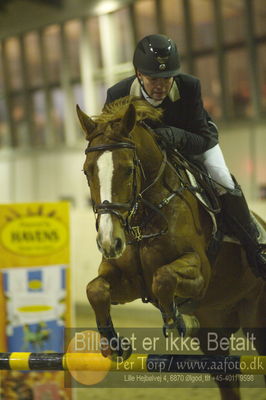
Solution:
(163, 283)
(98, 291)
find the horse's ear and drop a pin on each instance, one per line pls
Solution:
(129, 119)
(88, 125)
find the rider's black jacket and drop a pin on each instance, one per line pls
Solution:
(183, 108)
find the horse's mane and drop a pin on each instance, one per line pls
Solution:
(116, 110)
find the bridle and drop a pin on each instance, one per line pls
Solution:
(107, 207)
(132, 206)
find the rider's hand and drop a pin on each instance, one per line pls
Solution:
(170, 137)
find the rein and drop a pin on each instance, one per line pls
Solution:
(132, 206)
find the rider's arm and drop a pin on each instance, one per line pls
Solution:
(200, 134)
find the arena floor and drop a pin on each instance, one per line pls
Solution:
(125, 316)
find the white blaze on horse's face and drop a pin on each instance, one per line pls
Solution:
(108, 237)
(105, 174)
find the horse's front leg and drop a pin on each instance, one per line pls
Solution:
(183, 278)
(99, 293)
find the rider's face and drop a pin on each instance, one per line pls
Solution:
(157, 88)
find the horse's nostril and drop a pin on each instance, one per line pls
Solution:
(118, 244)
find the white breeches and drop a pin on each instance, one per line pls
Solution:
(214, 162)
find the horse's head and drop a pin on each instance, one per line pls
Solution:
(114, 173)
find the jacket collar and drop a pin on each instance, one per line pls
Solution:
(135, 90)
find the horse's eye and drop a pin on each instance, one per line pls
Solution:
(129, 171)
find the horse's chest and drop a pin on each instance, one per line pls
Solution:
(153, 256)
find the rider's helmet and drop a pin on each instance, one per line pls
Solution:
(156, 56)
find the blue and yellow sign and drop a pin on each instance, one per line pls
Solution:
(35, 281)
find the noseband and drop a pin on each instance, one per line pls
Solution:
(114, 208)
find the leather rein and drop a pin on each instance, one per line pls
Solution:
(132, 206)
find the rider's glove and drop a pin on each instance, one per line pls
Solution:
(171, 137)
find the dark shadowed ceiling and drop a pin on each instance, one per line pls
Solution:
(53, 3)
(18, 16)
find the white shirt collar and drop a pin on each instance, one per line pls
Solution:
(136, 90)
(154, 103)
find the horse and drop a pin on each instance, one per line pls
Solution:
(154, 234)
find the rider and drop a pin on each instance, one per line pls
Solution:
(189, 129)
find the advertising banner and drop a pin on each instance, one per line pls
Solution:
(34, 293)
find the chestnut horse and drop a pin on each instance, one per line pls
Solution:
(154, 235)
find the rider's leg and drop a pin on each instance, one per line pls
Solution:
(214, 162)
(235, 209)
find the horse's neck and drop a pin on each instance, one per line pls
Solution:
(149, 152)
(162, 185)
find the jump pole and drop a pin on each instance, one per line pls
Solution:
(164, 363)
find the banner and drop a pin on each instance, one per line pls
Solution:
(34, 234)
(35, 291)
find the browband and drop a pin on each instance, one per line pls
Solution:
(103, 147)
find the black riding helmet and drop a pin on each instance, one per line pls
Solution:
(157, 56)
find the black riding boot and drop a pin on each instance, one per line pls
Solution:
(239, 221)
